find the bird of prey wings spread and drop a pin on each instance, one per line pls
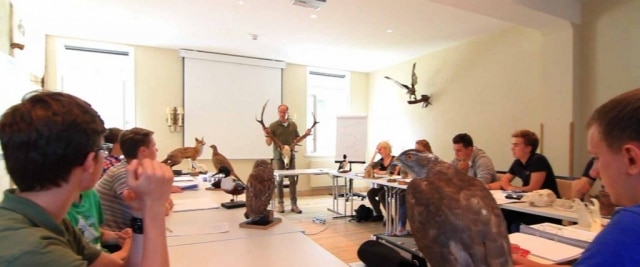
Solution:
(260, 188)
(453, 217)
(220, 160)
(411, 90)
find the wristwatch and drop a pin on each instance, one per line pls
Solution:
(136, 225)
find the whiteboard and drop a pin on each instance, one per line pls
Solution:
(351, 138)
(221, 102)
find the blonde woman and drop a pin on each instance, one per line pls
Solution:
(383, 166)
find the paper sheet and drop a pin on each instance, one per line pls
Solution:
(498, 195)
(183, 179)
(197, 229)
(185, 185)
(545, 248)
(194, 204)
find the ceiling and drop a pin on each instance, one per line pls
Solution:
(346, 34)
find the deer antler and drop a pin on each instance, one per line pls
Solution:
(261, 121)
(299, 139)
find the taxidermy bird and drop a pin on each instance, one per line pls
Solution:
(411, 90)
(230, 184)
(259, 193)
(220, 160)
(177, 155)
(454, 218)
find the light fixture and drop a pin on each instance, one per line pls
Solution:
(313, 16)
(389, 31)
(175, 119)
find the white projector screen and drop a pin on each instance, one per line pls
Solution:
(222, 99)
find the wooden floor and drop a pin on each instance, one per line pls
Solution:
(339, 236)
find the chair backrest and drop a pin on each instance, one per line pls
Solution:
(564, 186)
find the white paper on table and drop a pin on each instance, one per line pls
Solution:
(186, 185)
(545, 248)
(183, 179)
(499, 196)
(198, 229)
(569, 232)
(194, 204)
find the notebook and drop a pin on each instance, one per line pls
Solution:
(545, 248)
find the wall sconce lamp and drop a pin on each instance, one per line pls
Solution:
(175, 118)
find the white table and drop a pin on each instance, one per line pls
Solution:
(392, 190)
(335, 186)
(292, 249)
(542, 211)
(232, 217)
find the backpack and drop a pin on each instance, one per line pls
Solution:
(363, 213)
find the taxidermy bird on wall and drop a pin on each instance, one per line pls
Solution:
(454, 218)
(411, 90)
(177, 155)
(260, 188)
(220, 160)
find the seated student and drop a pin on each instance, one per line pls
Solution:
(384, 165)
(585, 184)
(614, 140)
(421, 145)
(536, 173)
(136, 143)
(581, 186)
(111, 137)
(472, 160)
(86, 215)
(53, 150)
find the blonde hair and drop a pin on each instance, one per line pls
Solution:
(386, 145)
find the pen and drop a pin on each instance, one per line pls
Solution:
(169, 230)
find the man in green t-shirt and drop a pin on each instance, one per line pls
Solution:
(286, 133)
(54, 150)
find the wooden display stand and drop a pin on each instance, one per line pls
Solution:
(274, 221)
(261, 227)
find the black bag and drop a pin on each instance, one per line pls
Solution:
(375, 254)
(363, 213)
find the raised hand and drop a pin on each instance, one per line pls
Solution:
(150, 184)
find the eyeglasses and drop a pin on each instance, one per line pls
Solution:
(104, 149)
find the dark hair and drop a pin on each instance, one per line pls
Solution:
(424, 143)
(618, 119)
(464, 139)
(46, 136)
(112, 135)
(530, 139)
(132, 140)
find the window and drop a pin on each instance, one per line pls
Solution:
(101, 76)
(327, 96)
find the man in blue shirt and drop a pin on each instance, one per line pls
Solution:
(614, 141)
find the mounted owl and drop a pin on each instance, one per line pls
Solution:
(260, 188)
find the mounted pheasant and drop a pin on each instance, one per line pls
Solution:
(176, 156)
(220, 160)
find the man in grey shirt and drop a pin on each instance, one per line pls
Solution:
(472, 160)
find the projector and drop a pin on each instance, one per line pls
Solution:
(315, 4)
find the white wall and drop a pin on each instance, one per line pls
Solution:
(488, 87)
(610, 59)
